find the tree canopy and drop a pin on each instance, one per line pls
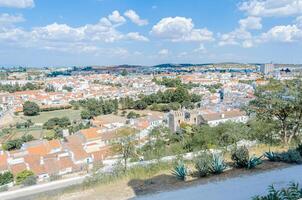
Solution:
(30, 108)
(280, 102)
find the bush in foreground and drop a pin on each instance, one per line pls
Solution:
(202, 164)
(253, 162)
(241, 158)
(293, 192)
(290, 156)
(180, 171)
(217, 164)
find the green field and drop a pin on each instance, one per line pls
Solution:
(37, 131)
(44, 116)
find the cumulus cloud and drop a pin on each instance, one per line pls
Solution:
(288, 33)
(63, 36)
(135, 18)
(237, 37)
(241, 35)
(7, 19)
(271, 8)
(17, 3)
(250, 23)
(137, 36)
(178, 29)
(116, 17)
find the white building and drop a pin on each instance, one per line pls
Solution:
(267, 68)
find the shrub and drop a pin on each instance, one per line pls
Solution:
(203, 164)
(22, 176)
(290, 156)
(31, 180)
(254, 161)
(293, 192)
(30, 108)
(6, 177)
(240, 156)
(299, 149)
(217, 164)
(180, 171)
(272, 156)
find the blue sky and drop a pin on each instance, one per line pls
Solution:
(110, 32)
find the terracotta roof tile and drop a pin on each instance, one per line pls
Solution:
(17, 168)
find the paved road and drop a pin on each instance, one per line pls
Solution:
(37, 189)
(240, 188)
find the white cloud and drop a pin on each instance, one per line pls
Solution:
(247, 44)
(135, 18)
(136, 36)
(288, 33)
(17, 3)
(241, 36)
(163, 52)
(180, 29)
(57, 36)
(298, 21)
(7, 19)
(250, 23)
(237, 37)
(116, 17)
(271, 8)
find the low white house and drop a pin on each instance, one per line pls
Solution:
(214, 119)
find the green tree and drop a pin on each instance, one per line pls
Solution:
(140, 105)
(125, 145)
(180, 95)
(281, 103)
(30, 108)
(124, 72)
(22, 176)
(132, 115)
(6, 177)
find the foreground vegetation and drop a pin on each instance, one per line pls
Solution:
(293, 192)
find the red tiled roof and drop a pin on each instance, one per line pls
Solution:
(17, 168)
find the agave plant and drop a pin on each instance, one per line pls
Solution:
(254, 161)
(293, 192)
(299, 149)
(291, 156)
(273, 194)
(272, 156)
(180, 171)
(217, 164)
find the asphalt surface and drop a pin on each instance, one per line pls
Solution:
(26, 193)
